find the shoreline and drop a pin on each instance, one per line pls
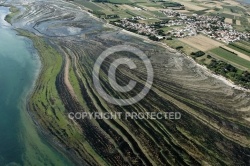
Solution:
(29, 133)
(42, 133)
(45, 133)
(45, 136)
(211, 73)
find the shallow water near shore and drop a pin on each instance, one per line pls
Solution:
(20, 143)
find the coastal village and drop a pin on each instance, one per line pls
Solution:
(215, 34)
(76, 90)
(214, 27)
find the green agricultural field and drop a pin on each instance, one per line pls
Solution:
(109, 6)
(187, 49)
(152, 4)
(166, 29)
(89, 5)
(171, 4)
(149, 21)
(120, 1)
(235, 9)
(201, 12)
(123, 14)
(158, 14)
(228, 16)
(224, 54)
(238, 46)
(247, 44)
(140, 13)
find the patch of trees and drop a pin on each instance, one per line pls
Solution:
(233, 11)
(248, 30)
(217, 9)
(209, 56)
(112, 16)
(132, 30)
(229, 71)
(230, 68)
(133, 20)
(179, 47)
(154, 38)
(198, 53)
(100, 0)
(234, 21)
(161, 32)
(172, 4)
(131, 13)
(98, 13)
(215, 27)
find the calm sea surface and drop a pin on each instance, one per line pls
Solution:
(20, 143)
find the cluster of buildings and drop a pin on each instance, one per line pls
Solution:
(134, 26)
(212, 26)
(183, 25)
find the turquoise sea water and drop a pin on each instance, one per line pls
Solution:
(20, 143)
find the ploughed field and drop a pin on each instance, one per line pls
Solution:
(214, 128)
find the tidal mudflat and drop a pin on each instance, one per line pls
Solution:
(214, 127)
